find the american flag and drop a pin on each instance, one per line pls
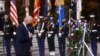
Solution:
(36, 12)
(13, 12)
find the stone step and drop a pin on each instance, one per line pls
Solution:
(35, 46)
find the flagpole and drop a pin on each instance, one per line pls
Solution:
(27, 7)
(69, 23)
(59, 18)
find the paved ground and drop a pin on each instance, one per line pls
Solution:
(35, 48)
(98, 53)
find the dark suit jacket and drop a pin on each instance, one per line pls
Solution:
(23, 41)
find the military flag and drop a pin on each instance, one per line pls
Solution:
(79, 8)
(60, 10)
(47, 8)
(73, 9)
(47, 12)
(36, 12)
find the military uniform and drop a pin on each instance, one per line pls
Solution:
(41, 39)
(1, 21)
(1, 24)
(93, 35)
(61, 40)
(50, 38)
(8, 35)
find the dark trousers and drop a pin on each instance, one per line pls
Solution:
(7, 42)
(94, 47)
(41, 44)
(94, 43)
(51, 43)
(61, 41)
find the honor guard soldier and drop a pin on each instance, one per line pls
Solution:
(41, 34)
(62, 38)
(8, 34)
(51, 31)
(93, 34)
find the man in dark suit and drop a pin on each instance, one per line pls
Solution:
(23, 36)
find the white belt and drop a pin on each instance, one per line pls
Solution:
(14, 33)
(1, 33)
(36, 31)
(94, 30)
(50, 32)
